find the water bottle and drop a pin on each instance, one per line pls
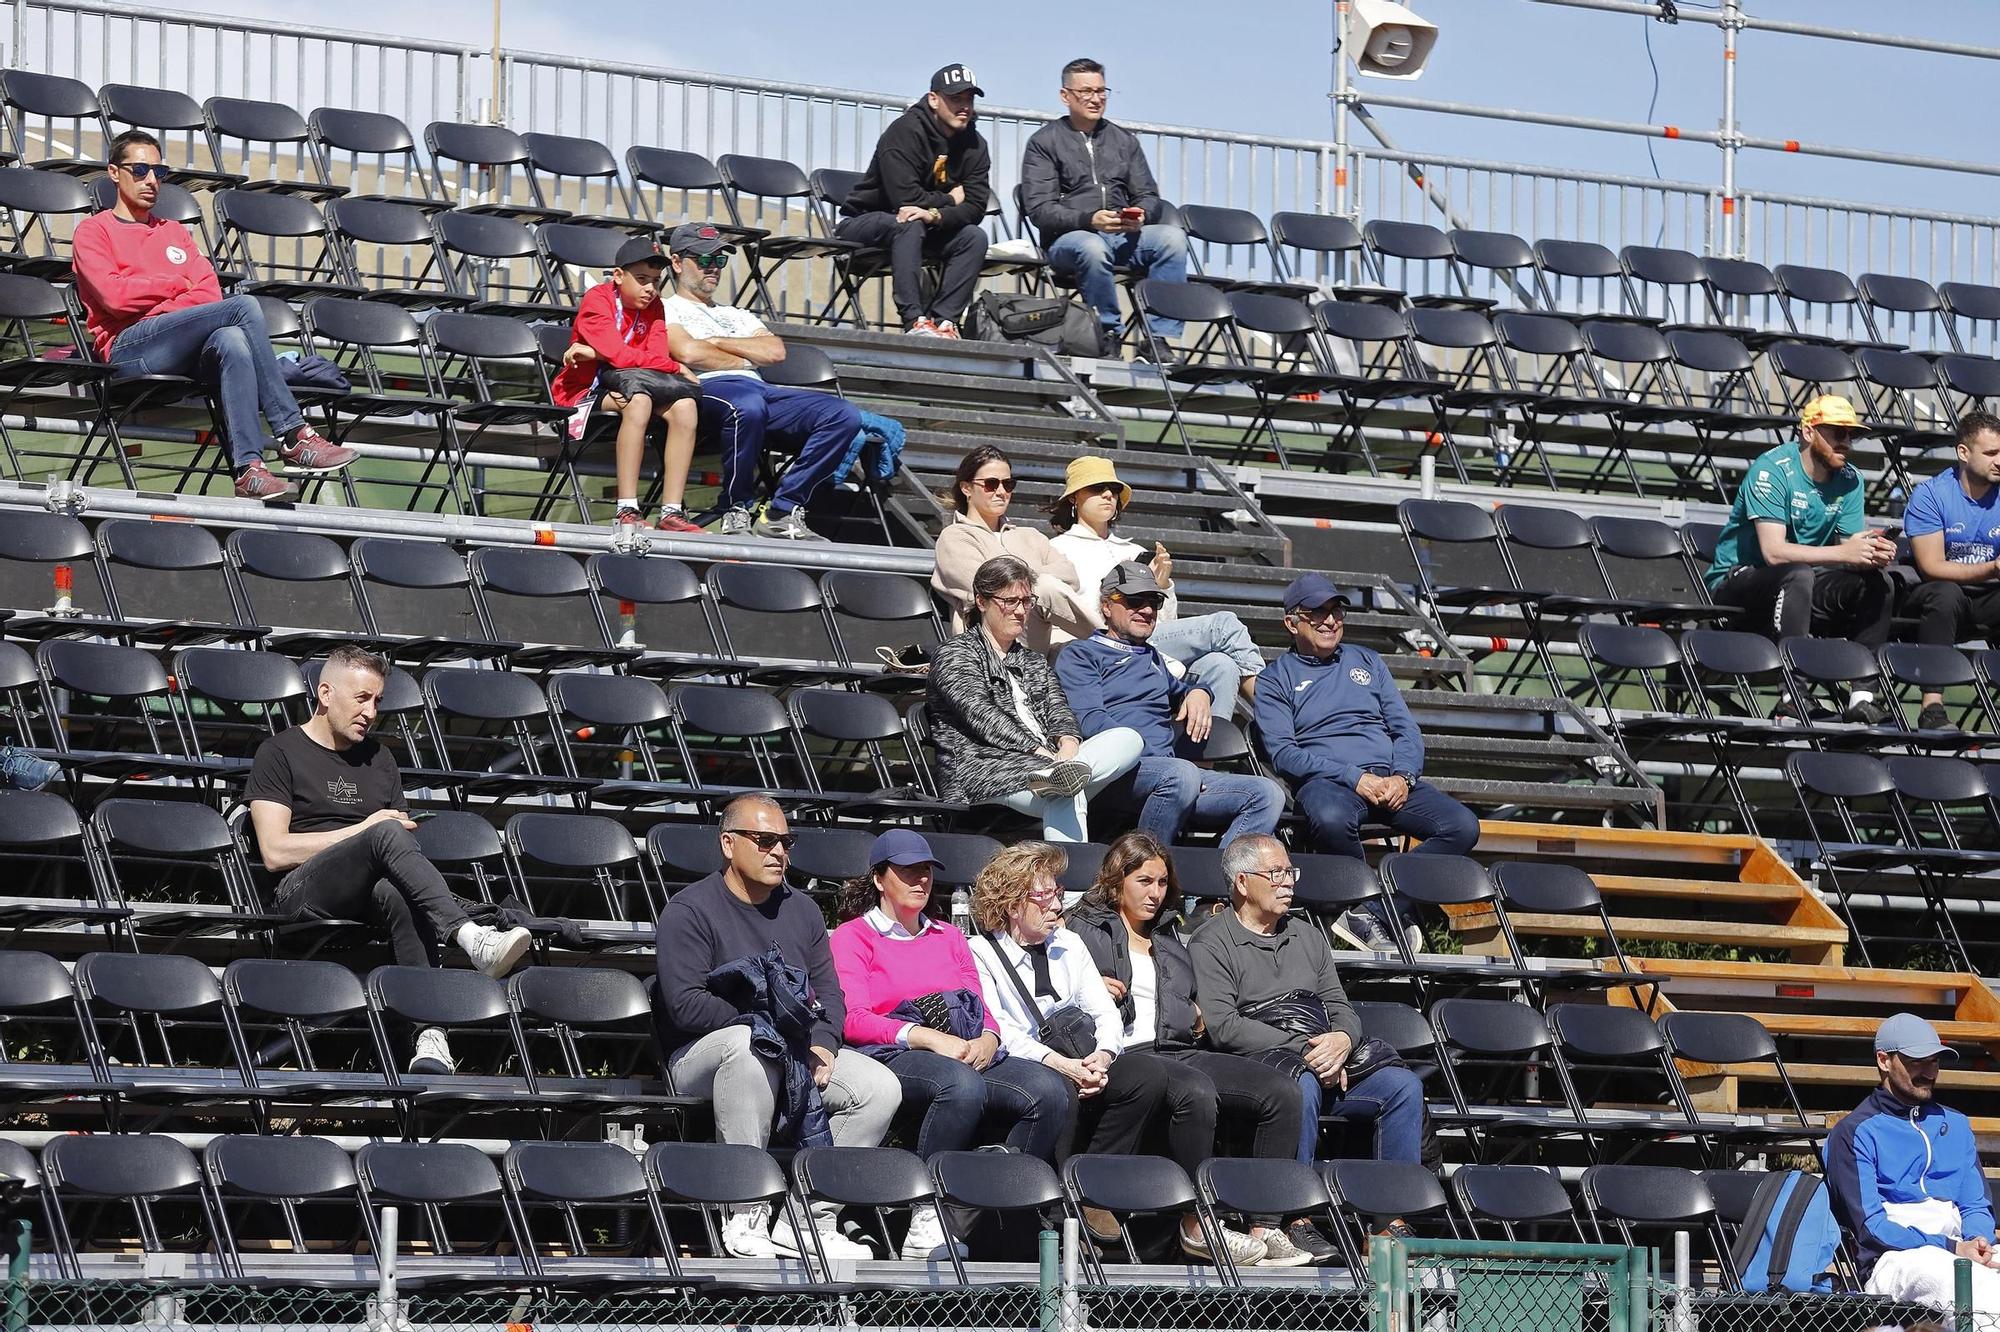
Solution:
(961, 911)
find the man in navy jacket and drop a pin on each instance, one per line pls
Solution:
(1116, 678)
(1335, 726)
(1905, 1178)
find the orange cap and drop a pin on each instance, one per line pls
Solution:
(1830, 409)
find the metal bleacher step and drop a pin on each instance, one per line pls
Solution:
(989, 425)
(1750, 897)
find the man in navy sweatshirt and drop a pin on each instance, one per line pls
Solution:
(1905, 1178)
(735, 914)
(1334, 725)
(1117, 678)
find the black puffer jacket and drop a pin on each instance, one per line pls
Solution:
(1103, 933)
(916, 164)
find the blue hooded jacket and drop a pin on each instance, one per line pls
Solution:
(1336, 718)
(1890, 1152)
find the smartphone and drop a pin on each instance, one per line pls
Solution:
(1133, 213)
(419, 815)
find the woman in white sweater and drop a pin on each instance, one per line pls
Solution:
(1215, 649)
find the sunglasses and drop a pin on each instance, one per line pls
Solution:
(1111, 488)
(711, 262)
(141, 170)
(1139, 601)
(989, 484)
(765, 841)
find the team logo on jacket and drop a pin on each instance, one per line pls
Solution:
(1360, 676)
(176, 255)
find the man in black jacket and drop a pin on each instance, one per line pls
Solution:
(924, 199)
(1086, 188)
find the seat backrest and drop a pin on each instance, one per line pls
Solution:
(1125, 1185)
(293, 987)
(1373, 1189)
(995, 1181)
(719, 1173)
(256, 1165)
(426, 1172)
(862, 1176)
(120, 1165)
(436, 996)
(579, 1172)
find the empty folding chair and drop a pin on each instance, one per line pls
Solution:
(1256, 1191)
(1580, 279)
(376, 154)
(1416, 246)
(1329, 252)
(734, 1188)
(1908, 411)
(736, 739)
(390, 250)
(1624, 1073)
(494, 371)
(279, 245)
(1368, 1195)
(1002, 1184)
(877, 1180)
(45, 560)
(43, 373)
(862, 750)
(583, 865)
(1460, 557)
(1555, 549)
(876, 616)
(291, 1194)
(494, 729)
(1524, 1202)
(1946, 676)
(1386, 371)
(421, 1178)
(104, 1188)
(302, 1033)
(52, 122)
(1506, 1077)
(1724, 382)
(122, 715)
(660, 172)
(1460, 348)
(176, 863)
(1242, 237)
(1823, 674)
(1972, 315)
(1129, 1187)
(543, 599)
(1534, 891)
(776, 615)
(564, 172)
(1743, 299)
(497, 263)
(1667, 285)
(38, 211)
(374, 344)
(299, 578)
(422, 601)
(770, 182)
(21, 1178)
(170, 581)
(1645, 564)
(1503, 261)
(54, 876)
(1737, 1042)
(489, 160)
(1907, 309)
(1823, 303)
(443, 1004)
(1630, 1204)
(243, 132)
(615, 730)
(50, 1061)
(592, 1192)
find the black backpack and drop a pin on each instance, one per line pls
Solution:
(1055, 322)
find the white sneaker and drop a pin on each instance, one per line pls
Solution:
(735, 523)
(495, 952)
(433, 1053)
(925, 1241)
(746, 1233)
(1244, 1250)
(1062, 781)
(787, 526)
(788, 1243)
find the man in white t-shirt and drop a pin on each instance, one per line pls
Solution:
(724, 346)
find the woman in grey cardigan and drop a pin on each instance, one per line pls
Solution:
(1004, 733)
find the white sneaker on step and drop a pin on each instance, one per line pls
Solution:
(925, 1241)
(495, 952)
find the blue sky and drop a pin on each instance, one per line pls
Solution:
(1264, 67)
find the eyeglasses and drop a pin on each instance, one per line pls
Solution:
(765, 840)
(989, 484)
(141, 170)
(1088, 94)
(1280, 878)
(711, 262)
(1013, 603)
(1320, 614)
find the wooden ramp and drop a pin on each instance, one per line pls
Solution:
(1729, 890)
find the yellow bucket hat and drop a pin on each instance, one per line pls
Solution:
(1091, 470)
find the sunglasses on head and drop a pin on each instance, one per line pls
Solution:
(141, 170)
(765, 840)
(989, 484)
(708, 261)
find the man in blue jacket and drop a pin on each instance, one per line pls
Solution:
(1334, 725)
(1117, 678)
(1905, 1178)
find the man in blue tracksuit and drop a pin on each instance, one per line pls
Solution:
(1117, 678)
(1334, 724)
(1905, 1178)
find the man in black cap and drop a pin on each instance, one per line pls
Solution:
(724, 346)
(1334, 724)
(924, 199)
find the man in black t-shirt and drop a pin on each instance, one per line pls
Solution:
(326, 801)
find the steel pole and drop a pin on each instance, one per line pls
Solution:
(1732, 14)
(499, 117)
(1690, 14)
(1343, 93)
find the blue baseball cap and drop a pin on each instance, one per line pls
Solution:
(1313, 590)
(1909, 1035)
(901, 846)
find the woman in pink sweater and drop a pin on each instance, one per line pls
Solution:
(914, 1002)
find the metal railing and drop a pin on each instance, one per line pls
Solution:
(624, 104)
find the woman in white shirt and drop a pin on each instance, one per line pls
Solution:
(1128, 921)
(1029, 968)
(1215, 649)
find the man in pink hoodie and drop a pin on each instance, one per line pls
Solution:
(154, 307)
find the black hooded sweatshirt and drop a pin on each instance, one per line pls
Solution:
(915, 165)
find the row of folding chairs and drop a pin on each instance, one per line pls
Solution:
(539, 1210)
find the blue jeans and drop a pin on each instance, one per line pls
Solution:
(957, 1097)
(1445, 827)
(1088, 256)
(223, 343)
(1217, 651)
(1392, 1097)
(1171, 792)
(739, 410)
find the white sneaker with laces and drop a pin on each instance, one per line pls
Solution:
(925, 1241)
(1062, 781)
(495, 952)
(1244, 1251)
(432, 1054)
(735, 523)
(746, 1233)
(788, 1243)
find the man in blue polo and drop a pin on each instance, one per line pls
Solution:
(1334, 724)
(1953, 523)
(1116, 677)
(1905, 1179)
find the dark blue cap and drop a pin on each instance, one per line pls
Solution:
(1313, 590)
(901, 846)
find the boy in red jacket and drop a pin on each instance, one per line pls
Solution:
(618, 362)
(154, 307)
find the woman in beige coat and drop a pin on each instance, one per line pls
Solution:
(981, 490)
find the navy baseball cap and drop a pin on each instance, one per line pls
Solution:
(697, 238)
(901, 846)
(1313, 590)
(1909, 1035)
(635, 252)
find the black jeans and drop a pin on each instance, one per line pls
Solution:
(379, 877)
(1240, 1090)
(911, 245)
(1787, 600)
(1142, 1090)
(1950, 613)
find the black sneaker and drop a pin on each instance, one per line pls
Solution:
(1934, 718)
(1305, 1235)
(1109, 345)
(1867, 712)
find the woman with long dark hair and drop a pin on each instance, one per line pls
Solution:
(982, 489)
(1128, 921)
